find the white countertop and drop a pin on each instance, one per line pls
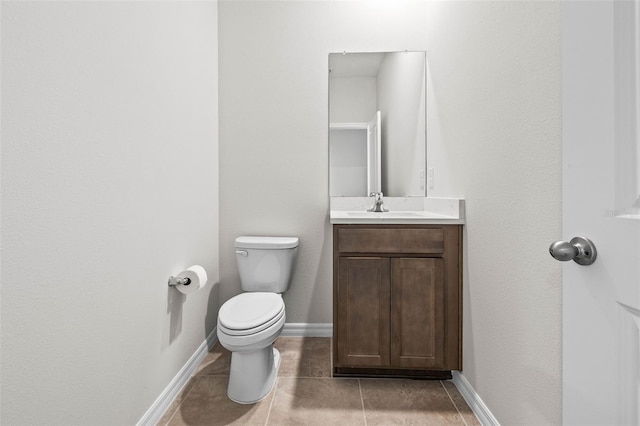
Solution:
(408, 210)
(406, 217)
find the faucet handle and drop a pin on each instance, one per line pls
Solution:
(377, 203)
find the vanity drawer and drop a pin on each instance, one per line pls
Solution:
(391, 240)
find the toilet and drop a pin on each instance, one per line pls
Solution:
(250, 322)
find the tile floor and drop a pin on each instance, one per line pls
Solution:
(305, 394)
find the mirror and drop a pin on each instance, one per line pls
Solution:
(377, 124)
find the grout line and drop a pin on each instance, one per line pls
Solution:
(184, 398)
(454, 403)
(313, 377)
(331, 357)
(174, 414)
(273, 398)
(364, 415)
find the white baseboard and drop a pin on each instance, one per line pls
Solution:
(474, 401)
(158, 408)
(303, 329)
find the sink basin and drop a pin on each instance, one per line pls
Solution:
(393, 217)
(407, 210)
(382, 215)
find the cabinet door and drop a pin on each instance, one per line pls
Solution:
(417, 312)
(363, 311)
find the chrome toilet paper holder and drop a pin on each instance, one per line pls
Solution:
(174, 281)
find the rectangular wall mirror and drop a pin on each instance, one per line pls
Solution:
(377, 124)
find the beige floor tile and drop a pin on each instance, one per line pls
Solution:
(306, 395)
(407, 402)
(208, 404)
(177, 401)
(469, 418)
(304, 356)
(316, 401)
(216, 363)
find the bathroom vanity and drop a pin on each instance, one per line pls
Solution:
(396, 296)
(397, 263)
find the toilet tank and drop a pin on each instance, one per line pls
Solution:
(266, 263)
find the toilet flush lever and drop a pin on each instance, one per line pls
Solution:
(242, 253)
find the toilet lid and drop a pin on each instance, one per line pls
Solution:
(244, 313)
(266, 243)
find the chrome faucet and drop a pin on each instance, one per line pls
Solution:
(377, 203)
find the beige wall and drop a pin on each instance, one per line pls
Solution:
(493, 138)
(109, 185)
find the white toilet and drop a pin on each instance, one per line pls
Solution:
(250, 322)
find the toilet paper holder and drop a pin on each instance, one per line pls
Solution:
(189, 280)
(174, 281)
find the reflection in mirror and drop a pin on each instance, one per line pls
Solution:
(377, 124)
(355, 157)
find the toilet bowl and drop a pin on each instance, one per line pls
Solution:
(249, 323)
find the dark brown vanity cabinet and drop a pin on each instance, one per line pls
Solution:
(397, 300)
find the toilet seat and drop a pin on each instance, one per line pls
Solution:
(250, 313)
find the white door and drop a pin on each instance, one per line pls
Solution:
(601, 190)
(374, 142)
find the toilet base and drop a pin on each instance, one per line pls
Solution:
(253, 375)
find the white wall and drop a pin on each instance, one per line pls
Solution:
(274, 125)
(109, 185)
(99, 102)
(495, 114)
(493, 137)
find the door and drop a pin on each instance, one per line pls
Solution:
(348, 167)
(363, 311)
(417, 313)
(601, 189)
(374, 142)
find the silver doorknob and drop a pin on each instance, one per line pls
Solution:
(581, 250)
